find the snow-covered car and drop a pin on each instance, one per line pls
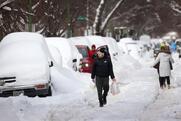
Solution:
(82, 40)
(25, 65)
(97, 40)
(56, 55)
(83, 45)
(114, 50)
(70, 55)
(130, 47)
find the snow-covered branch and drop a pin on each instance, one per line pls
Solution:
(34, 6)
(110, 15)
(5, 3)
(176, 7)
(158, 17)
(28, 13)
(99, 25)
(7, 8)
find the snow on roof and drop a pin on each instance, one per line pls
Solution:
(79, 41)
(64, 48)
(19, 36)
(97, 40)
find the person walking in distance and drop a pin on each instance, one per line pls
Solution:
(165, 59)
(101, 70)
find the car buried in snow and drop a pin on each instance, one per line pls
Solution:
(25, 65)
(70, 55)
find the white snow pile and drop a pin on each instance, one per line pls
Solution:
(66, 81)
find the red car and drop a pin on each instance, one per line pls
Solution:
(86, 62)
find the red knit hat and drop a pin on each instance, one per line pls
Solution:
(93, 46)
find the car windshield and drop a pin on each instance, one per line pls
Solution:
(83, 51)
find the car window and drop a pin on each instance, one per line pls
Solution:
(83, 51)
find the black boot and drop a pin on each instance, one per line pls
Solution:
(104, 100)
(101, 102)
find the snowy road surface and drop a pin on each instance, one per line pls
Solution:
(140, 100)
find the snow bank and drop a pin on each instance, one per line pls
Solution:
(65, 81)
(7, 113)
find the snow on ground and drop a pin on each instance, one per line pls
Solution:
(140, 98)
(167, 107)
(83, 105)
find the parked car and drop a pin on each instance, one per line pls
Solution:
(25, 65)
(130, 47)
(85, 63)
(70, 55)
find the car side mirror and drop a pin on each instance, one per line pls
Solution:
(74, 60)
(51, 64)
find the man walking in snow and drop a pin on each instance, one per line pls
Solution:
(101, 70)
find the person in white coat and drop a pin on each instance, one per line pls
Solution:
(165, 59)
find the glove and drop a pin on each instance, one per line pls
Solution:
(114, 80)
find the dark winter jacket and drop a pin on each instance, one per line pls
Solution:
(102, 68)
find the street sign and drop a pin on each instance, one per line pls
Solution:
(81, 18)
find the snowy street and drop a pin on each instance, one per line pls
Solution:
(90, 60)
(139, 100)
(165, 108)
(167, 105)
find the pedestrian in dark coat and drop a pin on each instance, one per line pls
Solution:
(102, 69)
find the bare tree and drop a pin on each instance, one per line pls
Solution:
(99, 24)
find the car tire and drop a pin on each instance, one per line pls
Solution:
(48, 94)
